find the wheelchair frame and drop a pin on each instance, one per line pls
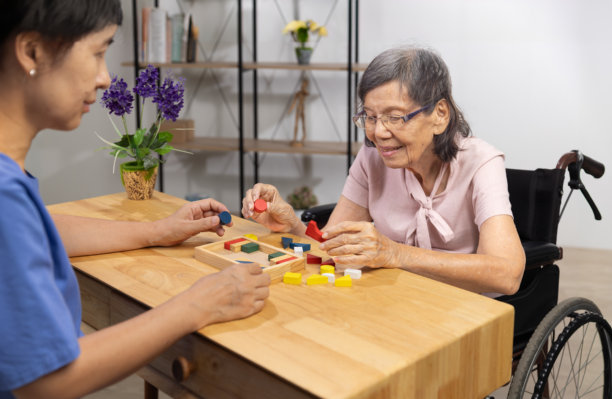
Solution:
(544, 328)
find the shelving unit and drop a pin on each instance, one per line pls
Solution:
(254, 145)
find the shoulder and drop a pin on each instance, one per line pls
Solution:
(474, 152)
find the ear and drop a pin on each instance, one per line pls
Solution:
(28, 51)
(441, 116)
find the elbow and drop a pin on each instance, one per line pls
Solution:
(514, 277)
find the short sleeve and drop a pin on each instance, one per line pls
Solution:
(37, 292)
(356, 184)
(490, 191)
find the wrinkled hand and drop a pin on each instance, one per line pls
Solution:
(279, 216)
(191, 219)
(359, 244)
(234, 293)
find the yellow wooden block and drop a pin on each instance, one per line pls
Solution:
(328, 269)
(251, 236)
(292, 278)
(343, 281)
(236, 246)
(316, 279)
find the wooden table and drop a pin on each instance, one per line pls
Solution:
(393, 334)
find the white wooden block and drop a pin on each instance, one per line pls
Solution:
(299, 251)
(354, 273)
(331, 277)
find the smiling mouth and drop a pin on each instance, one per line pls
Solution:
(388, 149)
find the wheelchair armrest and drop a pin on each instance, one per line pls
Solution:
(538, 253)
(320, 214)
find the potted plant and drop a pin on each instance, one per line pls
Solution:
(145, 144)
(302, 198)
(300, 31)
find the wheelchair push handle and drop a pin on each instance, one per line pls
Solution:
(588, 164)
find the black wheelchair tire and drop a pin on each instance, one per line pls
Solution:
(545, 332)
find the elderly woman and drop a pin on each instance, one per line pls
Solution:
(438, 197)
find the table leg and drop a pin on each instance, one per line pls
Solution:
(150, 391)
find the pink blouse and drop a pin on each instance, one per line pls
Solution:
(450, 221)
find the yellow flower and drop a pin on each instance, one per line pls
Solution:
(294, 25)
(300, 29)
(322, 31)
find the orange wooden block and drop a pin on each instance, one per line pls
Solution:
(260, 206)
(227, 244)
(313, 231)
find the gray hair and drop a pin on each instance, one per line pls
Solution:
(424, 75)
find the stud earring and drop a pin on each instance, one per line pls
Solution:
(32, 72)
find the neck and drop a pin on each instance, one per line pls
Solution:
(16, 133)
(427, 171)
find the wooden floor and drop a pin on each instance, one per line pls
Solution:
(584, 272)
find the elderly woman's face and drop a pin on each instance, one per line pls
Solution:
(408, 146)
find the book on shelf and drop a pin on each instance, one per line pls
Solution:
(166, 39)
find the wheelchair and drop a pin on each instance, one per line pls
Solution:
(560, 350)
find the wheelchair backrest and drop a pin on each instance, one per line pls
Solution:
(535, 196)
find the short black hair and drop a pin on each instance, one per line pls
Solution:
(61, 22)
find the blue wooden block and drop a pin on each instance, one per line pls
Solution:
(305, 247)
(226, 217)
(287, 241)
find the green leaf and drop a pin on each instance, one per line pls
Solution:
(138, 137)
(302, 35)
(150, 162)
(164, 149)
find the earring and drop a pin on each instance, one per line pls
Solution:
(32, 72)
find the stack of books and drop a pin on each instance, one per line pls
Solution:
(165, 38)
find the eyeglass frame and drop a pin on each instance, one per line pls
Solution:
(405, 118)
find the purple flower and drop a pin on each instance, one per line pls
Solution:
(146, 82)
(117, 98)
(169, 99)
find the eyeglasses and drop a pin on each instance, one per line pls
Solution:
(364, 121)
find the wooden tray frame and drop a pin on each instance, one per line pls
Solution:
(213, 254)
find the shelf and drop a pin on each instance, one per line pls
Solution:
(330, 66)
(263, 145)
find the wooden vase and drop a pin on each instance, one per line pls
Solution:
(138, 182)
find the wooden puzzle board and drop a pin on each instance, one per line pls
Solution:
(216, 255)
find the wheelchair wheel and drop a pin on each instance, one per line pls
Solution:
(568, 356)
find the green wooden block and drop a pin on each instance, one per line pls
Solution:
(275, 254)
(250, 247)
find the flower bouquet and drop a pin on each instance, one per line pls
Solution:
(143, 146)
(300, 31)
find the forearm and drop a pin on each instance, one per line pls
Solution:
(474, 272)
(88, 236)
(113, 353)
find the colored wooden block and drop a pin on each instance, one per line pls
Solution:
(330, 277)
(251, 237)
(305, 247)
(282, 259)
(225, 217)
(298, 251)
(343, 281)
(249, 247)
(328, 269)
(214, 254)
(260, 205)
(286, 241)
(313, 259)
(275, 254)
(227, 244)
(312, 230)
(329, 261)
(292, 278)
(354, 273)
(316, 279)
(244, 261)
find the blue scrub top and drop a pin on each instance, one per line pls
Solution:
(40, 308)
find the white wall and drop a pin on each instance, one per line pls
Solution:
(532, 77)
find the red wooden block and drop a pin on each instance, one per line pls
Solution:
(313, 231)
(260, 205)
(285, 260)
(227, 244)
(313, 259)
(330, 261)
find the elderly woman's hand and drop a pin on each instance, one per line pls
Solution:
(279, 215)
(359, 244)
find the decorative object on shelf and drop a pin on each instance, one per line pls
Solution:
(299, 99)
(144, 144)
(300, 32)
(302, 198)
